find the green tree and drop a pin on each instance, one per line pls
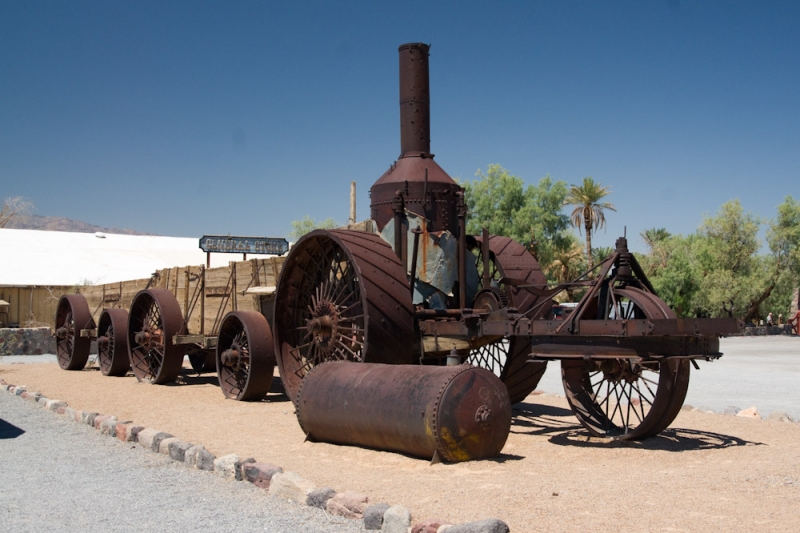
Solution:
(589, 211)
(783, 236)
(308, 224)
(718, 270)
(501, 203)
(600, 253)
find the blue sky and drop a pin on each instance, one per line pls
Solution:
(192, 118)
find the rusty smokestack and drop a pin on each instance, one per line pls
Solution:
(415, 100)
(415, 182)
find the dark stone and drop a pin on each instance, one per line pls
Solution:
(373, 516)
(177, 450)
(319, 497)
(161, 435)
(490, 525)
(239, 467)
(260, 474)
(205, 460)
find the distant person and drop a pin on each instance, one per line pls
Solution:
(769, 320)
(780, 319)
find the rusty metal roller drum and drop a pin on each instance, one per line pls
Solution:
(455, 413)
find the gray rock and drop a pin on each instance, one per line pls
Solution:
(109, 426)
(163, 446)
(290, 486)
(490, 525)
(69, 412)
(205, 460)
(146, 436)
(190, 456)
(373, 516)
(239, 468)
(177, 450)
(348, 504)
(88, 418)
(396, 519)
(731, 410)
(157, 438)
(53, 405)
(19, 390)
(226, 465)
(319, 497)
(780, 416)
(704, 409)
(260, 474)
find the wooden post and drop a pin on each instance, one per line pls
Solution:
(352, 203)
(202, 300)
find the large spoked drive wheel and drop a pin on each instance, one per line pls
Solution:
(72, 315)
(508, 358)
(112, 342)
(245, 356)
(342, 295)
(626, 399)
(154, 319)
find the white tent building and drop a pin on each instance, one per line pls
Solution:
(39, 258)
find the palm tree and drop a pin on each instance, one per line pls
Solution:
(588, 210)
(565, 265)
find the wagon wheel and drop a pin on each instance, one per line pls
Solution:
(508, 357)
(154, 319)
(342, 295)
(621, 398)
(245, 356)
(72, 315)
(112, 342)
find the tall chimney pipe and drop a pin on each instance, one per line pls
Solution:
(422, 186)
(415, 100)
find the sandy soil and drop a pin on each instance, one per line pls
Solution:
(707, 473)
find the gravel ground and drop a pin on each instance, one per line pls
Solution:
(58, 475)
(708, 472)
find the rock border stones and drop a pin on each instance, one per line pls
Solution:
(267, 476)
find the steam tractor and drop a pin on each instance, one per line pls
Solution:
(418, 289)
(414, 290)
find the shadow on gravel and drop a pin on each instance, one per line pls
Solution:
(9, 431)
(670, 440)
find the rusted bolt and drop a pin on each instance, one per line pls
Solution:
(483, 416)
(141, 337)
(230, 357)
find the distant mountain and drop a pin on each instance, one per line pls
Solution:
(64, 224)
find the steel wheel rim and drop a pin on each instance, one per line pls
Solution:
(624, 399)
(72, 315)
(327, 305)
(245, 358)
(106, 350)
(507, 358)
(154, 319)
(339, 291)
(112, 342)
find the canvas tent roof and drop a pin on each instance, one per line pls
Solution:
(34, 257)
